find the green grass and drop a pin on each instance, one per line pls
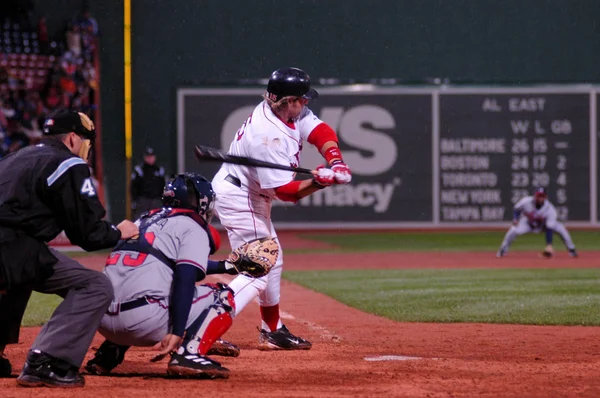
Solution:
(39, 308)
(535, 296)
(569, 297)
(448, 241)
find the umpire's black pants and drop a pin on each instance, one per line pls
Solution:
(69, 332)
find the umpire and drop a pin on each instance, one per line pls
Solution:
(47, 188)
(147, 184)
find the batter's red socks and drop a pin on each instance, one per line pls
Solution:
(270, 317)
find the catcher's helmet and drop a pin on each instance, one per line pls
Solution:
(290, 82)
(190, 191)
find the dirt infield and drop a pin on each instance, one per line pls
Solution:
(357, 354)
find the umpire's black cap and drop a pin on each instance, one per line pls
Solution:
(64, 121)
(149, 151)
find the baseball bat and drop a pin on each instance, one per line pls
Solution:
(204, 153)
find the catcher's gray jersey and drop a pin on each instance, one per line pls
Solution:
(134, 275)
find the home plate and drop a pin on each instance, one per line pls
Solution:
(392, 358)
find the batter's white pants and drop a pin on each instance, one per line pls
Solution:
(247, 216)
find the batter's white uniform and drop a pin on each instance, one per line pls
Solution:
(136, 275)
(532, 219)
(245, 194)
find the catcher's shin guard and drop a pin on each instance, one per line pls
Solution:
(212, 323)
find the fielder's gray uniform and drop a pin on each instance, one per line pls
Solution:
(138, 275)
(533, 220)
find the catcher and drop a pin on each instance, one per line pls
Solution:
(154, 277)
(534, 214)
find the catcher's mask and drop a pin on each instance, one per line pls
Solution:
(190, 191)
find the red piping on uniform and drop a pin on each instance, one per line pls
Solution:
(201, 297)
(190, 262)
(154, 301)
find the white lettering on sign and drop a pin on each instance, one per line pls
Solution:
(465, 162)
(361, 127)
(491, 105)
(456, 180)
(471, 145)
(476, 196)
(526, 104)
(378, 196)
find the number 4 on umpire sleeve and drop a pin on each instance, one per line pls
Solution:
(87, 188)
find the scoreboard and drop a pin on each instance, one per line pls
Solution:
(426, 156)
(496, 148)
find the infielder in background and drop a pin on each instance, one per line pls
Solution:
(154, 278)
(274, 132)
(535, 214)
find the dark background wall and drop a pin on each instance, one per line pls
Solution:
(192, 43)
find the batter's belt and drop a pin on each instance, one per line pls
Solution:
(236, 181)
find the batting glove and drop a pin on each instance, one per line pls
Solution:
(323, 177)
(343, 175)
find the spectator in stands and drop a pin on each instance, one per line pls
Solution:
(15, 138)
(43, 36)
(147, 184)
(31, 87)
(74, 40)
(53, 99)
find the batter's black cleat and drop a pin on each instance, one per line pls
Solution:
(43, 370)
(224, 349)
(573, 253)
(107, 357)
(5, 368)
(281, 339)
(184, 364)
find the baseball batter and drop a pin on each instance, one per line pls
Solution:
(275, 131)
(535, 214)
(154, 277)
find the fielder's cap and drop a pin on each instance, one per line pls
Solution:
(64, 121)
(149, 151)
(541, 193)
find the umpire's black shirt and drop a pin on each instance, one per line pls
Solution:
(45, 189)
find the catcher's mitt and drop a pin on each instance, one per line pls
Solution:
(548, 252)
(255, 258)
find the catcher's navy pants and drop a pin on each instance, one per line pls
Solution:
(69, 332)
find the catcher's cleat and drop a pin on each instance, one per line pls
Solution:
(108, 357)
(42, 370)
(184, 364)
(5, 368)
(281, 339)
(573, 253)
(224, 349)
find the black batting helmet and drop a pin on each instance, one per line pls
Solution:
(290, 82)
